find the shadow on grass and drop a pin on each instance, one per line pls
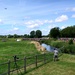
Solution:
(49, 58)
(31, 69)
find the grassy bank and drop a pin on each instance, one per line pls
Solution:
(64, 46)
(65, 66)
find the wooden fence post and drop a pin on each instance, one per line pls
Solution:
(9, 67)
(24, 64)
(36, 60)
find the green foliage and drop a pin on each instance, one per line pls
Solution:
(15, 36)
(26, 36)
(38, 34)
(71, 41)
(32, 34)
(54, 32)
(63, 46)
(69, 49)
(68, 32)
(48, 41)
(9, 36)
(57, 44)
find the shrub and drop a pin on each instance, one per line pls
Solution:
(48, 41)
(57, 44)
(63, 46)
(71, 41)
(69, 49)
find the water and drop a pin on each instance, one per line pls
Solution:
(48, 47)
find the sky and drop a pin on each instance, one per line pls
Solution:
(23, 16)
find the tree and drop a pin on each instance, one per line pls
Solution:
(26, 36)
(54, 32)
(68, 32)
(15, 36)
(9, 36)
(32, 34)
(38, 34)
(71, 41)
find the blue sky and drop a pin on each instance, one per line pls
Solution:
(23, 16)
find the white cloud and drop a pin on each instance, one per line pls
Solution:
(47, 29)
(16, 29)
(44, 30)
(1, 21)
(27, 17)
(52, 26)
(61, 18)
(48, 21)
(70, 9)
(73, 16)
(63, 27)
(73, 9)
(32, 24)
(36, 23)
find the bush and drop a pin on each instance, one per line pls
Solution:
(63, 46)
(71, 41)
(70, 49)
(48, 41)
(57, 44)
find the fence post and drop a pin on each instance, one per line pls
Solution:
(8, 67)
(36, 61)
(24, 64)
(44, 59)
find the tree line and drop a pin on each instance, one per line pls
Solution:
(33, 34)
(68, 32)
(56, 32)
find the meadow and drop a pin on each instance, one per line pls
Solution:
(11, 47)
(65, 65)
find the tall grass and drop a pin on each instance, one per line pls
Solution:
(65, 47)
(10, 48)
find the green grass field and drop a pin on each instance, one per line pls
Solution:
(65, 65)
(10, 48)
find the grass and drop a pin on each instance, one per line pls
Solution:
(65, 66)
(64, 46)
(10, 48)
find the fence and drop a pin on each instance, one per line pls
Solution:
(21, 65)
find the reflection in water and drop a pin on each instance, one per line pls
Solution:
(48, 47)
